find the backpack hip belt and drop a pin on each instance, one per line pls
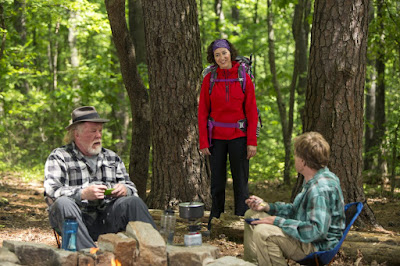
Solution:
(241, 124)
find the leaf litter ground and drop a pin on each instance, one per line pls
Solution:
(23, 214)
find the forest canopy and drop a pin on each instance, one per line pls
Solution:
(57, 55)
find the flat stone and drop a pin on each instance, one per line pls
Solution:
(8, 256)
(7, 263)
(152, 249)
(193, 256)
(40, 254)
(229, 261)
(124, 248)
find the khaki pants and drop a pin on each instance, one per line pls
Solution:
(266, 244)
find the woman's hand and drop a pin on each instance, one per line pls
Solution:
(251, 151)
(205, 151)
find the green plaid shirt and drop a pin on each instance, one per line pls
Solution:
(317, 214)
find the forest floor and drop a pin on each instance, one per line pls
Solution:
(25, 218)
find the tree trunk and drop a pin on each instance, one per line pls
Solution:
(136, 28)
(20, 27)
(202, 28)
(52, 53)
(219, 15)
(370, 102)
(369, 108)
(235, 13)
(335, 89)
(139, 99)
(380, 118)
(4, 32)
(394, 159)
(301, 30)
(74, 16)
(286, 127)
(180, 173)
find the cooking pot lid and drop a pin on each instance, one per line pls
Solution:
(191, 204)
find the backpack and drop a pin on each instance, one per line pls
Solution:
(244, 67)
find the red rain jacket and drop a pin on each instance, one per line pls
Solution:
(227, 103)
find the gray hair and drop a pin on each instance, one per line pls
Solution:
(70, 135)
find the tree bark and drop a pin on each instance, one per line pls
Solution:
(136, 29)
(219, 15)
(4, 34)
(20, 27)
(370, 102)
(74, 16)
(286, 126)
(139, 99)
(301, 30)
(335, 90)
(180, 173)
(380, 118)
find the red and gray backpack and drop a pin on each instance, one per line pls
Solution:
(244, 67)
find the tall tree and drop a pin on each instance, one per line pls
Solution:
(335, 89)
(370, 102)
(380, 117)
(3, 31)
(139, 99)
(136, 28)
(219, 16)
(300, 34)
(74, 16)
(301, 31)
(180, 173)
(286, 127)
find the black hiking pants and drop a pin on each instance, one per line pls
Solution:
(237, 150)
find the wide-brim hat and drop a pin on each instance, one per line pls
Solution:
(85, 114)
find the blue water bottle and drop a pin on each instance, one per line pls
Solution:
(70, 228)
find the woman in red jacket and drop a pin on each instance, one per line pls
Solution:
(223, 110)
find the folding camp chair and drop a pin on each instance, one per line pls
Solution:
(352, 210)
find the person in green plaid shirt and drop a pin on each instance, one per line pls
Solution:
(87, 182)
(315, 221)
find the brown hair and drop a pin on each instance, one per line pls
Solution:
(313, 149)
(210, 53)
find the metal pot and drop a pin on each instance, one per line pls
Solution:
(191, 210)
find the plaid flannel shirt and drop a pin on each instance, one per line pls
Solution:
(317, 214)
(67, 172)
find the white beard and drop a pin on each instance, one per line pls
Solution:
(94, 151)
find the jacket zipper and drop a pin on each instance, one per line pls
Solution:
(226, 87)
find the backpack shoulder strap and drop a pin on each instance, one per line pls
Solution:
(213, 77)
(242, 76)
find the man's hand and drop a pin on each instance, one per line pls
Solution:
(93, 192)
(257, 204)
(265, 220)
(251, 151)
(120, 190)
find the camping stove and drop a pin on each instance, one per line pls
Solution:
(193, 212)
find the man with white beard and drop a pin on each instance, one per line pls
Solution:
(77, 176)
